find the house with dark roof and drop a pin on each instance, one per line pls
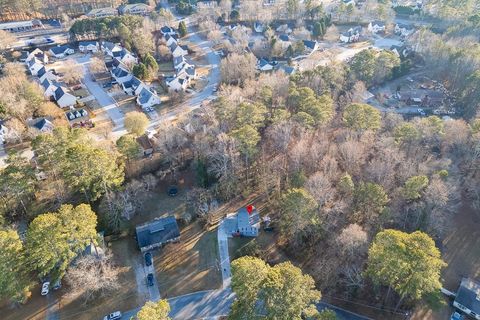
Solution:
(133, 86)
(42, 124)
(145, 144)
(288, 69)
(109, 48)
(404, 30)
(351, 35)
(34, 65)
(181, 62)
(125, 57)
(157, 233)
(135, 8)
(310, 45)
(23, 56)
(166, 30)
(64, 98)
(102, 12)
(265, 65)
(376, 26)
(245, 223)
(61, 51)
(43, 74)
(467, 298)
(146, 98)
(38, 54)
(170, 39)
(188, 72)
(178, 50)
(121, 74)
(49, 87)
(88, 46)
(177, 83)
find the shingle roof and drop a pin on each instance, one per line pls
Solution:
(309, 44)
(87, 43)
(378, 23)
(166, 29)
(41, 72)
(468, 295)
(59, 93)
(42, 123)
(59, 49)
(144, 96)
(120, 72)
(157, 232)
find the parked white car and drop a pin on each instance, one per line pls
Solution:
(45, 288)
(113, 316)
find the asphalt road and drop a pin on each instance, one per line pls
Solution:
(108, 103)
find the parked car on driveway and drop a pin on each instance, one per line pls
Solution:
(150, 279)
(45, 288)
(113, 316)
(148, 259)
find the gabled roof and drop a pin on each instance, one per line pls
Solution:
(284, 37)
(144, 96)
(42, 123)
(132, 83)
(157, 232)
(88, 43)
(41, 72)
(288, 70)
(34, 61)
(60, 49)
(178, 60)
(120, 72)
(168, 36)
(468, 295)
(46, 83)
(378, 23)
(263, 62)
(190, 71)
(310, 44)
(166, 29)
(60, 92)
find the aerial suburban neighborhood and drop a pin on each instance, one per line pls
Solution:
(240, 159)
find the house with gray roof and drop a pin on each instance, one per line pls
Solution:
(61, 51)
(34, 65)
(121, 74)
(42, 124)
(178, 50)
(133, 86)
(88, 46)
(310, 45)
(157, 233)
(64, 98)
(102, 12)
(377, 26)
(146, 98)
(37, 53)
(245, 223)
(135, 8)
(166, 30)
(467, 298)
(49, 87)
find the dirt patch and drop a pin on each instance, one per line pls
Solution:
(461, 251)
(190, 265)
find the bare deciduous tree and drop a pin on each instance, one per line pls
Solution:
(93, 277)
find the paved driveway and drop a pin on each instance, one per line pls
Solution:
(106, 102)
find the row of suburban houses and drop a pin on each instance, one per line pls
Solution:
(119, 67)
(185, 70)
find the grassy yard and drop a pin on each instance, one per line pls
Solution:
(264, 246)
(190, 265)
(125, 253)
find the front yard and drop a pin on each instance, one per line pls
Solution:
(190, 265)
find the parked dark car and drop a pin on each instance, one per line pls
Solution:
(150, 280)
(148, 259)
